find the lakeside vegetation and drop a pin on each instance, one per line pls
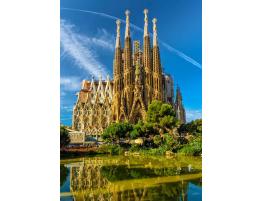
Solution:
(161, 133)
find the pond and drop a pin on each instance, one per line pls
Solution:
(120, 178)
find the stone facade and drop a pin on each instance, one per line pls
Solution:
(138, 79)
(77, 137)
(92, 111)
(138, 75)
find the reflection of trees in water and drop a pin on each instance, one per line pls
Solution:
(197, 182)
(122, 172)
(92, 181)
(63, 174)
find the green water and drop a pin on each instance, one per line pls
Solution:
(130, 178)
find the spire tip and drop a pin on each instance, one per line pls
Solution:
(127, 12)
(118, 21)
(154, 20)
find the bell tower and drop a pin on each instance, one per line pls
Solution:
(128, 68)
(157, 69)
(118, 74)
(147, 62)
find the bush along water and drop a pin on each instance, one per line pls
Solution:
(160, 133)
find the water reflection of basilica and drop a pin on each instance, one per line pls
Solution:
(96, 179)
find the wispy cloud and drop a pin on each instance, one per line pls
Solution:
(81, 48)
(137, 28)
(67, 108)
(193, 114)
(70, 83)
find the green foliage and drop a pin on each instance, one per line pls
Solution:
(148, 129)
(64, 137)
(168, 141)
(168, 122)
(153, 111)
(137, 130)
(157, 151)
(142, 129)
(115, 131)
(194, 147)
(159, 129)
(166, 110)
(112, 149)
(135, 147)
(161, 115)
(63, 174)
(134, 134)
(193, 128)
(157, 140)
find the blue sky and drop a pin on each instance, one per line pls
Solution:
(88, 32)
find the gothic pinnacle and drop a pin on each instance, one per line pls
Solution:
(154, 32)
(107, 77)
(118, 33)
(100, 76)
(146, 23)
(127, 33)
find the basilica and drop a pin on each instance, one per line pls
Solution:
(138, 79)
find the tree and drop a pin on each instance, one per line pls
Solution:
(148, 129)
(138, 130)
(115, 131)
(64, 137)
(194, 147)
(192, 128)
(152, 114)
(161, 115)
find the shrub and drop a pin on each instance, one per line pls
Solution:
(64, 137)
(193, 128)
(157, 140)
(115, 131)
(192, 148)
(111, 149)
(134, 134)
(135, 147)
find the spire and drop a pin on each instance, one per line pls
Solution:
(154, 32)
(146, 23)
(178, 94)
(127, 33)
(118, 33)
(107, 78)
(179, 108)
(92, 86)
